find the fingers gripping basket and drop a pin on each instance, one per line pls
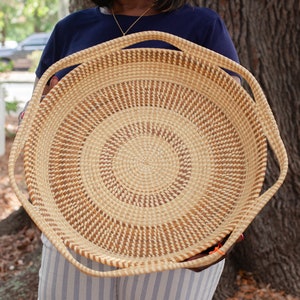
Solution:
(142, 158)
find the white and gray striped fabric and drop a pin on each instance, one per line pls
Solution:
(60, 280)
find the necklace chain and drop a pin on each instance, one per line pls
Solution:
(127, 30)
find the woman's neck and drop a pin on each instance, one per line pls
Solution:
(133, 8)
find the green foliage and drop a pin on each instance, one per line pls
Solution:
(42, 14)
(35, 58)
(11, 106)
(19, 18)
(5, 66)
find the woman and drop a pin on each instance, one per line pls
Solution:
(112, 19)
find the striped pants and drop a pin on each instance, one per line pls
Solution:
(60, 280)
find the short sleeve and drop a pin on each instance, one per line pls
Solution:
(219, 40)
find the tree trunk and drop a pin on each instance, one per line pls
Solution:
(266, 34)
(75, 5)
(15, 222)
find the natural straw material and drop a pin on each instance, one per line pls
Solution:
(141, 158)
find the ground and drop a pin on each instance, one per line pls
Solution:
(20, 253)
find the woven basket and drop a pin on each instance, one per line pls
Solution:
(142, 158)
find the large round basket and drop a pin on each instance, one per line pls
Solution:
(142, 158)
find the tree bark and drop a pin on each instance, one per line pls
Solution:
(15, 222)
(266, 34)
(75, 5)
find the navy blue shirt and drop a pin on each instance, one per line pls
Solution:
(90, 27)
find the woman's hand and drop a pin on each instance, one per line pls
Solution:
(52, 82)
(212, 250)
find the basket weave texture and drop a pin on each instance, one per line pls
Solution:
(142, 158)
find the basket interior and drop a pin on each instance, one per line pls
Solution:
(144, 155)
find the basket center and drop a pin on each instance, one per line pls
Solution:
(142, 162)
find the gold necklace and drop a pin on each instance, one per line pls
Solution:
(125, 32)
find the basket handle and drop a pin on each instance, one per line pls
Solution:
(205, 261)
(126, 271)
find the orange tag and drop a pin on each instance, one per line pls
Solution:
(217, 249)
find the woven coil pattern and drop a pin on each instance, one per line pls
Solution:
(143, 168)
(142, 158)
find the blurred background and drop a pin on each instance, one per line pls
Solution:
(25, 27)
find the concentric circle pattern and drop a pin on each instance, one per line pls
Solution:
(147, 165)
